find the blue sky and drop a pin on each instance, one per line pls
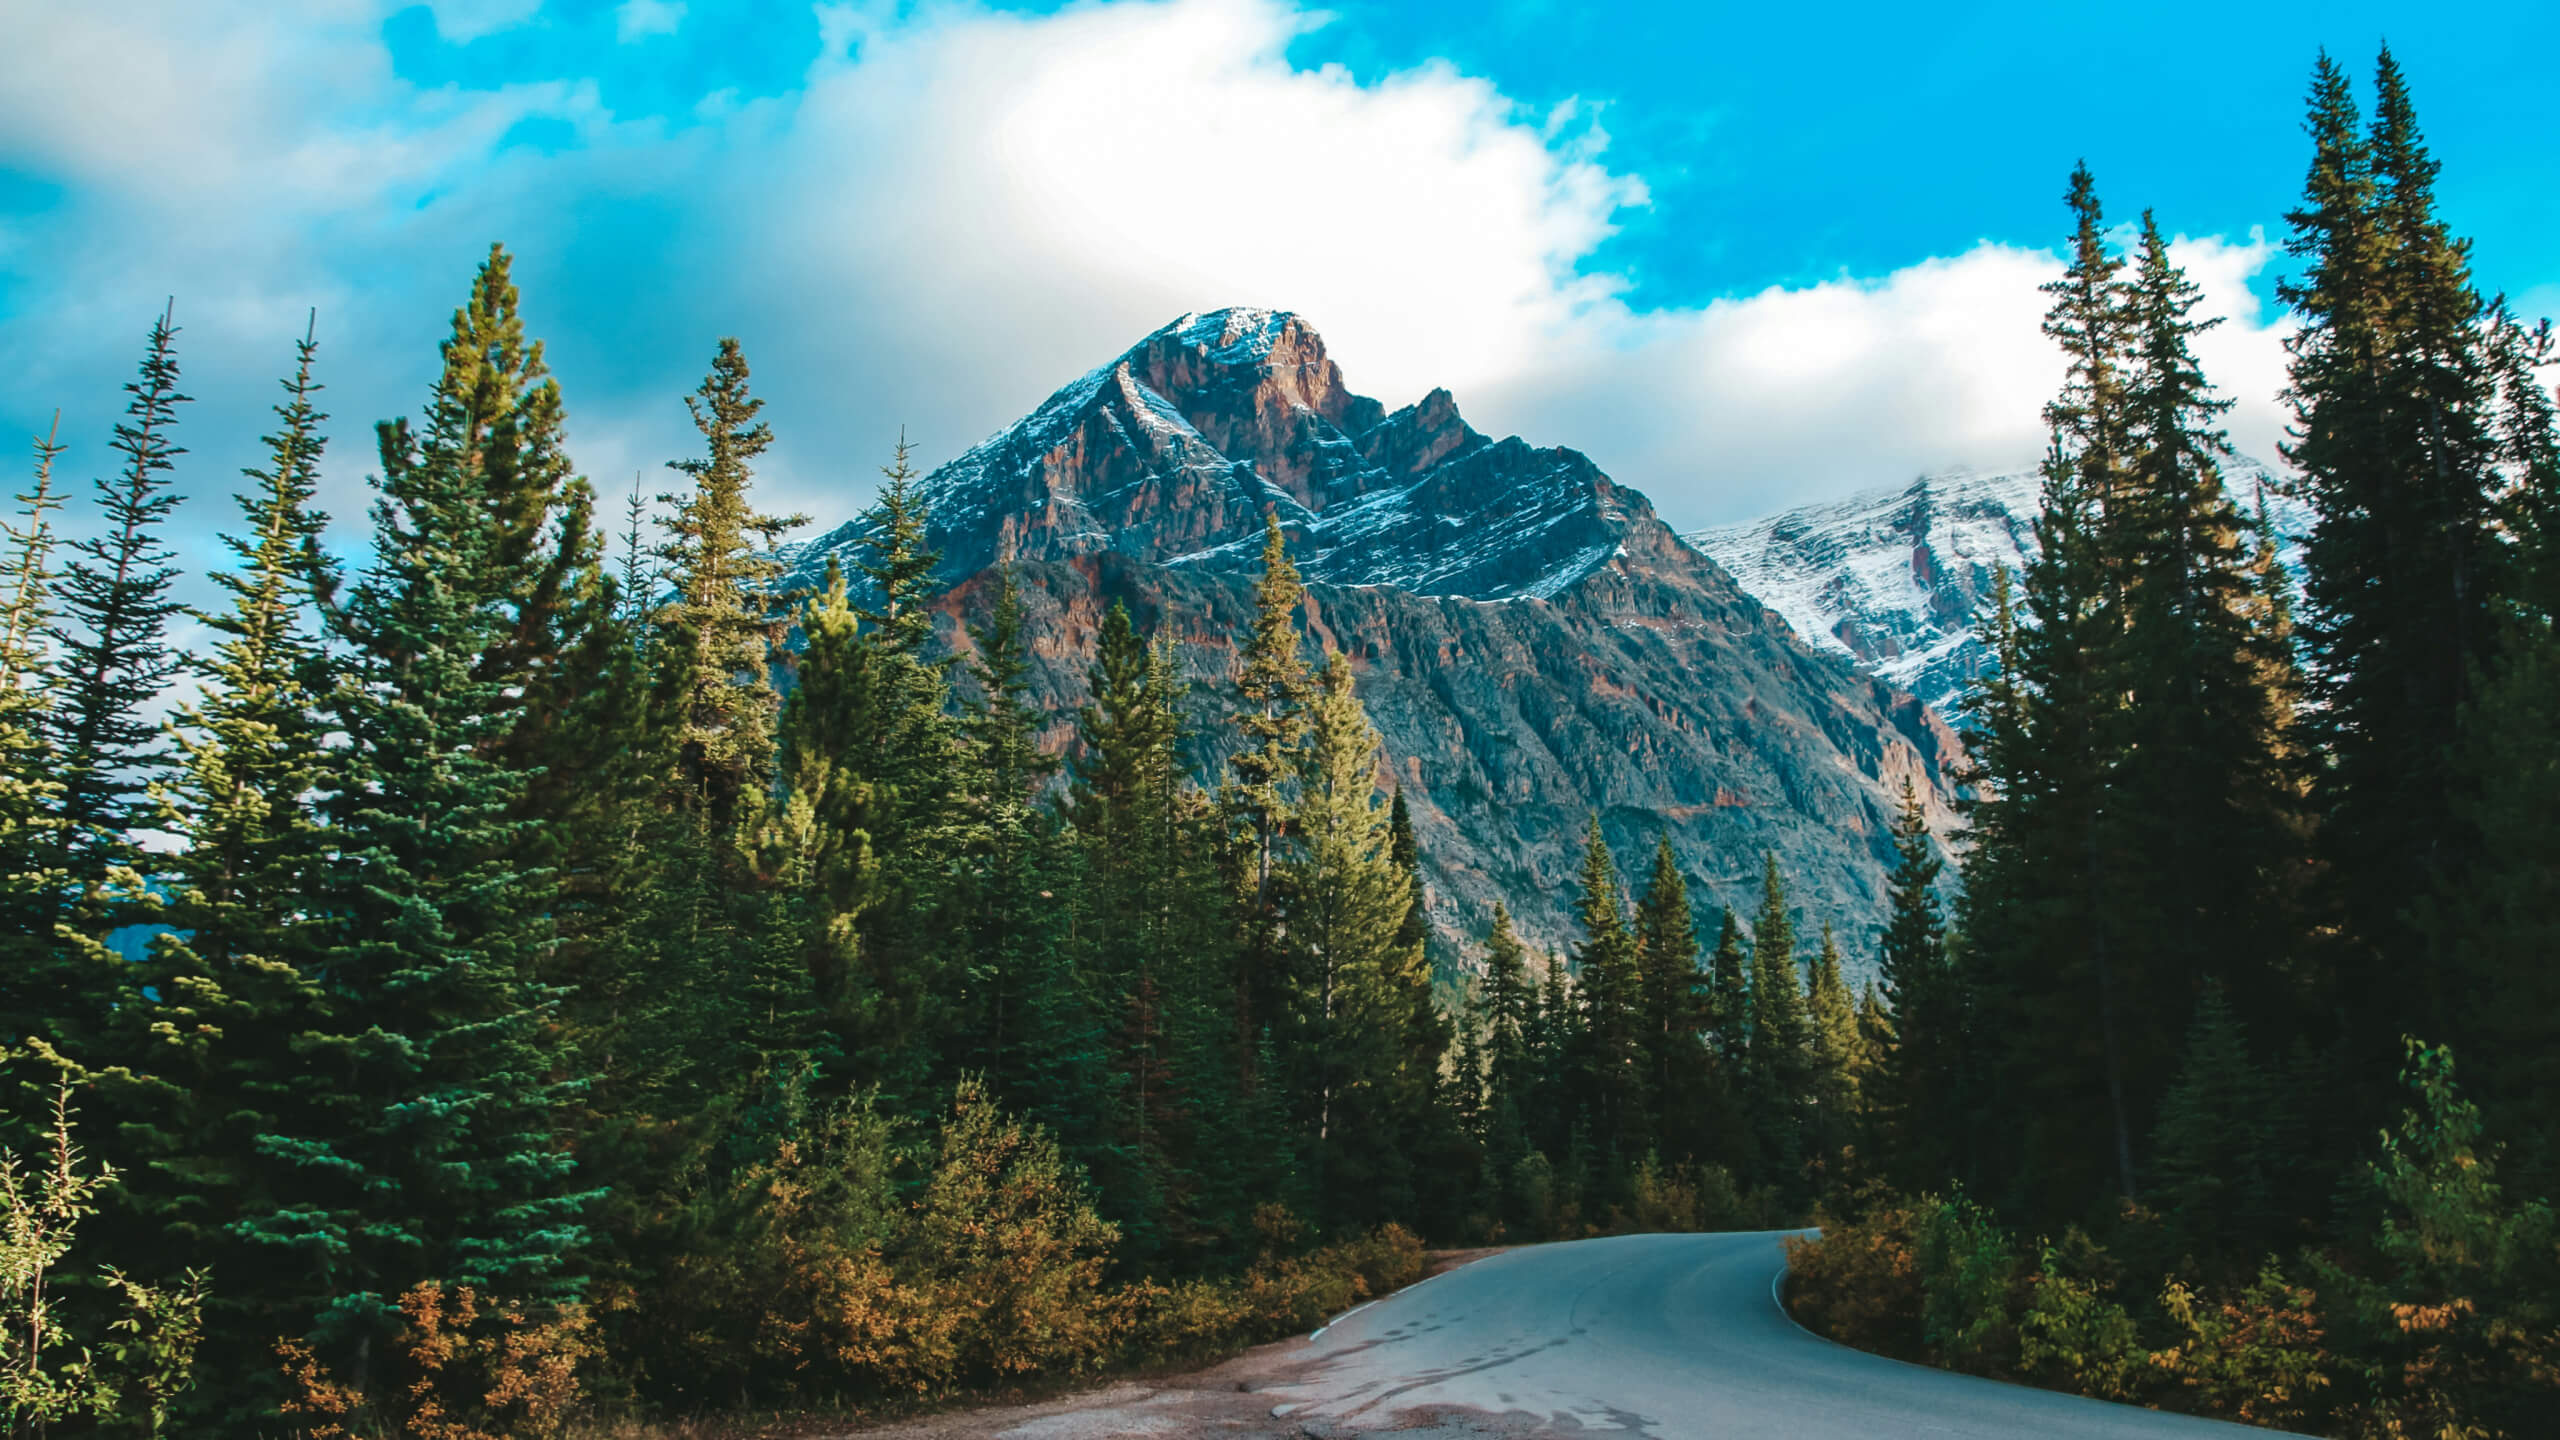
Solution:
(1745, 256)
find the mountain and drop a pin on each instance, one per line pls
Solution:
(1895, 579)
(1533, 644)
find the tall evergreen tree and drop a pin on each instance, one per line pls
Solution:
(2393, 397)
(1837, 1055)
(1275, 695)
(2047, 888)
(2207, 800)
(1509, 1003)
(422, 1132)
(1362, 1090)
(724, 619)
(1729, 995)
(31, 876)
(113, 629)
(1681, 1078)
(235, 985)
(1778, 1068)
(1916, 1096)
(1614, 1057)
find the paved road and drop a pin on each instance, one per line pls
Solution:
(1658, 1335)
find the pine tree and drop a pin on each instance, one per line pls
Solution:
(1677, 1011)
(1509, 1001)
(2501, 921)
(1614, 1057)
(2393, 396)
(1831, 1016)
(31, 877)
(1011, 943)
(864, 826)
(2207, 801)
(723, 620)
(422, 1130)
(1915, 1099)
(2218, 1158)
(1346, 901)
(1778, 1070)
(113, 634)
(235, 983)
(1729, 995)
(1275, 696)
(2047, 889)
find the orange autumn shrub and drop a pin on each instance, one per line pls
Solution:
(1858, 1282)
(460, 1369)
(2255, 1356)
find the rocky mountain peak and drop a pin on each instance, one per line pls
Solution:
(1534, 646)
(1172, 452)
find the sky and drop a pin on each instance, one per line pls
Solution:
(1745, 257)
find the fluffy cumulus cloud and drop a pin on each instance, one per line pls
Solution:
(950, 213)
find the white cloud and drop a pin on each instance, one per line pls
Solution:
(956, 212)
(639, 19)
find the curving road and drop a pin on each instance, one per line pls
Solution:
(1656, 1335)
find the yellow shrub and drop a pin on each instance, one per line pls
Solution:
(461, 1369)
(1859, 1282)
(2256, 1356)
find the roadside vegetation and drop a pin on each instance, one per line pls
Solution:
(2171, 1113)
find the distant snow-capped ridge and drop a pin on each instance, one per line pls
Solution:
(1897, 578)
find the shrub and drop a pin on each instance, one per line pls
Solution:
(2074, 1336)
(2256, 1356)
(1005, 1255)
(462, 1369)
(46, 1373)
(1858, 1281)
(1968, 1271)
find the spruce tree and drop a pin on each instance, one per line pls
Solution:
(112, 630)
(1915, 1101)
(2047, 889)
(236, 985)
(2394, 402)
(1362, 1089)
(2220, 1169)
(866, 820)
(1729, 995)
(422, 1133)
(1613, 1063)
(1509, 1002)
(724, 619)
(1778, 1071)
(1831, 1021)
(31, 875)
(1274, 695)
(1681, 1078)
(2206, 797)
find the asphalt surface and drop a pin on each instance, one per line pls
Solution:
(1658, 1335)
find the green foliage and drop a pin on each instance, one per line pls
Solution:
(49, 1371)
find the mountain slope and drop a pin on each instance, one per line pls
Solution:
(1896, 579)
(1533, 644)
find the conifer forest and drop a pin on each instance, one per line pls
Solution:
(532, 973)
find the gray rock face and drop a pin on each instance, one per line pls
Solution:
(1532, 643)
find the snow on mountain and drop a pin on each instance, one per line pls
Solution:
(1173, 451)
(1895, 579)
